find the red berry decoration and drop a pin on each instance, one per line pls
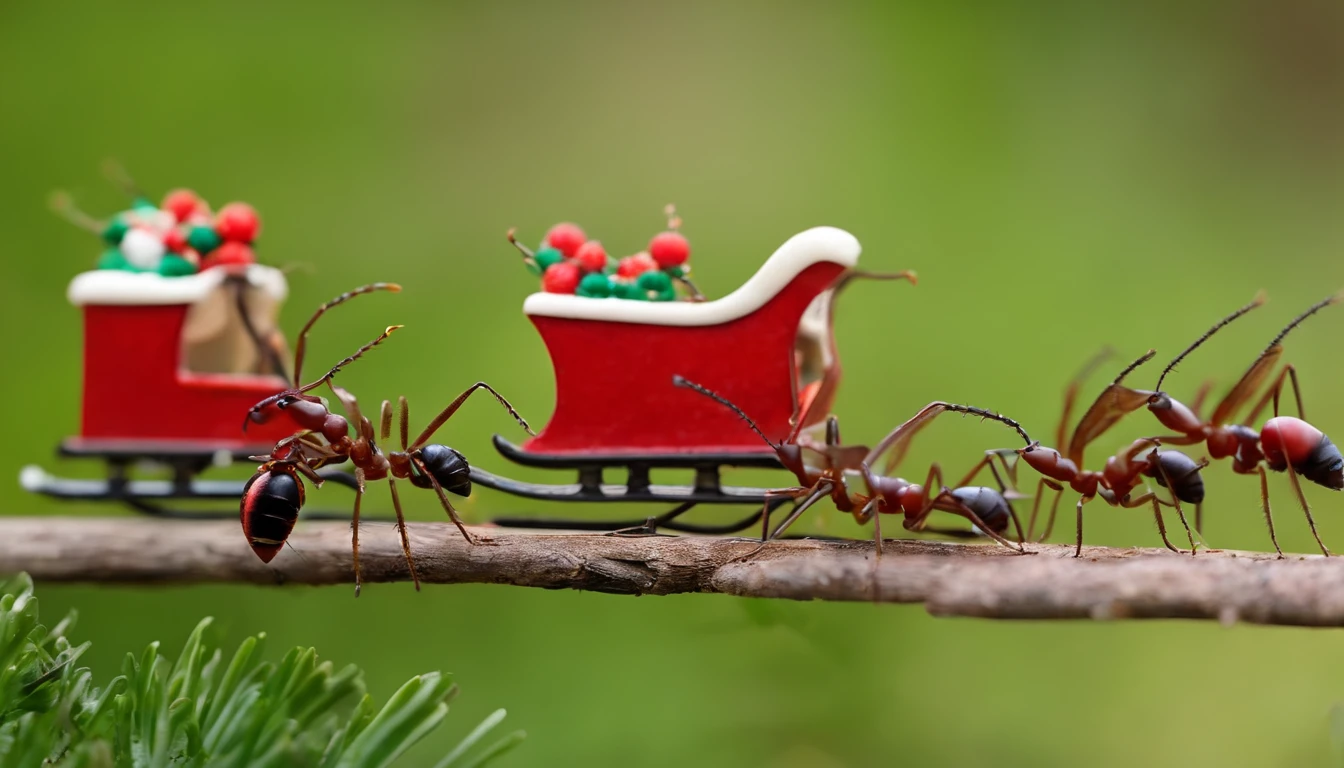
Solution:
(237, 223)
(566, 238)
(182, 203)
(561, 278)
(669, 249)
(634, 266)
(591, 257)
(229, 254)
(175, 240)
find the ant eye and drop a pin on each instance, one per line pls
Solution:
(283, 402)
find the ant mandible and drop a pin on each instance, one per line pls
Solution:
(1283, 444)
(275, 494)
(1115, 484)
(986, 508)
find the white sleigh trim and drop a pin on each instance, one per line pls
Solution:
(112, 286)
(813, 246)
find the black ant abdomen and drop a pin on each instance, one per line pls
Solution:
(448, 466)
(988, 504)
(1188, 484)
(270, 507)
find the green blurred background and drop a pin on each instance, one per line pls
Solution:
(1061, 176)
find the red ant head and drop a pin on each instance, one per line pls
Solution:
(791, 456)
(302, 408)
(1048, 462)
(1173, 414)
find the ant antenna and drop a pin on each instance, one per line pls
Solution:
(63, 204)
(1297, 320)
(358, 353)
(1134, 365)
(983, 414)
(678, 381)
(1257, 301)
(118, 175)
(301, 346)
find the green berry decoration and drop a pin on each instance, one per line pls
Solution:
(657, 286)
(626, 289)
(175, 266)
(595, 285)
(203, 239)
(113, 258)
(115, 230)
(547, 256)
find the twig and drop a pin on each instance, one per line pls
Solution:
(951, 579)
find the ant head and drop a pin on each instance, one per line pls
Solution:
(791, 456)
(291, 400)
(1033, 445)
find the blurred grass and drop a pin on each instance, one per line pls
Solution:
(1061, 176)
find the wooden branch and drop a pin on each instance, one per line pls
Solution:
(984, 580)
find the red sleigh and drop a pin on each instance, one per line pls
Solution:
(171, 365)
(764, 346)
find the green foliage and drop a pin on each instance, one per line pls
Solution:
(198, 711)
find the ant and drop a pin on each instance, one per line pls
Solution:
(275, 494)
(988, 509)
(1283, 444)
(1171, 469)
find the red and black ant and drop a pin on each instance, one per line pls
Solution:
(1115, 484)
(1283, 444)
(273, 497)
(832, 461)
(989, 510)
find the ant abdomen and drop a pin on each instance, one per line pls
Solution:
(1286, 440)
(448, 466)
(1186, 482)
(988, 504)
(270, 507)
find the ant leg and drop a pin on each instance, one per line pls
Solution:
(1054, 508)
(819, 491)
(363, 426)
(1199, 519)
(448, 412)
(1273, 394)
(1012, 512)
(1157, 515)
(1202, 394)
(1302, 499)
(1175, 501)
(1078, 551)
(1264, 502)
(987, 461)
(354, 528)
(405, 423)
(813, 495)
(443, 497)
(970, 514)
(401, 528)
(1071, 392)
(872, 508)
